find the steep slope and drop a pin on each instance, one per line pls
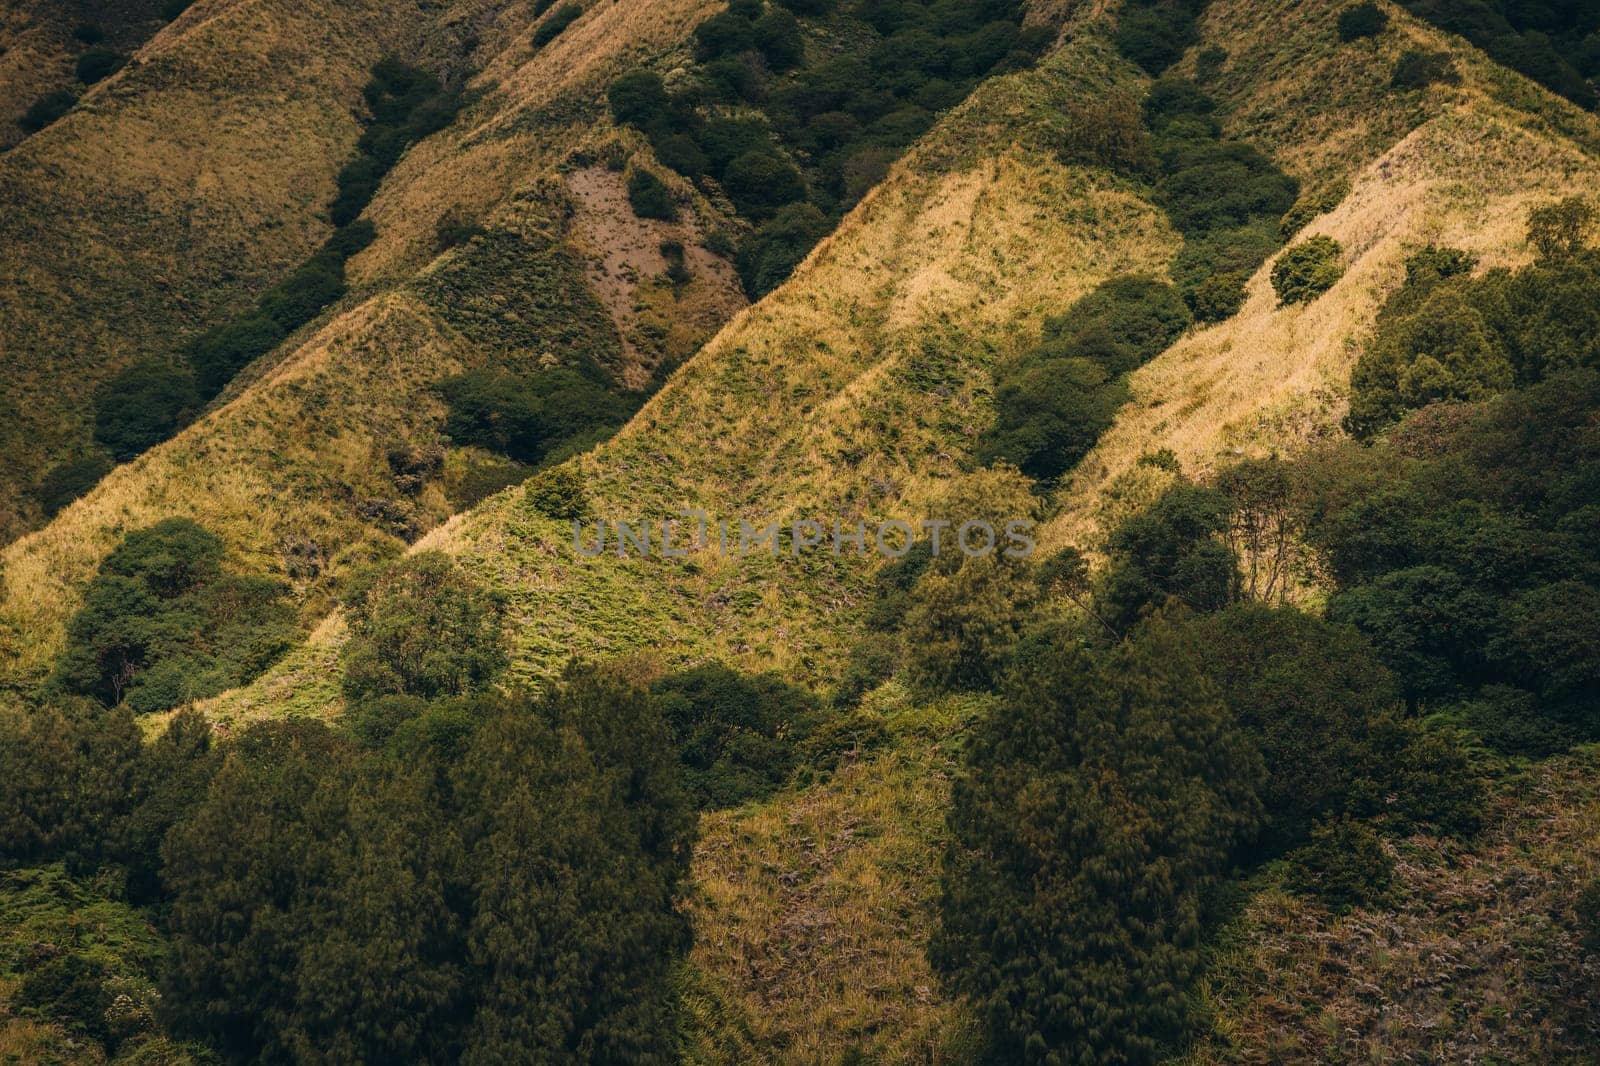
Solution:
(175, 190)
(317, 422)
(1455, 165)
(41, 40)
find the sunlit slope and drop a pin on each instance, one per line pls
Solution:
(853, 393)
(176, 189)
(296, 463)
(1466, 164)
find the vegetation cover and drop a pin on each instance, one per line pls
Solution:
(796, 135)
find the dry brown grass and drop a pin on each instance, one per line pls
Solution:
(1272, 379)
(812, 913)
(1479, 960)
(296, 451)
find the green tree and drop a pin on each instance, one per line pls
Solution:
(1308, 270)
(421, 628)
(581, 843)
(1561, 229)
(1362, 20)
(1172, 550)
(1099, 803)
(650, 197)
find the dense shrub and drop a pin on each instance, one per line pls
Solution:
(510, 886)
(1472, 568)
(1343, 866)
(97, 64)
(301, 296)
(89, 33)
(1362, 20)
(1308, 270)
(777, 132)
(556, 24)
(142, 406)
(161, 625)
(559, 493)
(1156, 34)
(650, 197)
(1554, 44)
(1099, 804)
(1446, 336)
(420, 628)
(530, 419)
(218, 355)
(1172, 550)
(1055, 402)
(770, 255)
(736, 735)
(47, 109)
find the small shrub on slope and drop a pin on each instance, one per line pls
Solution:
(1308, 270)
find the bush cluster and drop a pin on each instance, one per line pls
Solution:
(1053, 404)
(162, 625)
(1553, 42)
(1308, 270)
(536, 419)
(1362, 20)
(794, 139)
(1447, 336)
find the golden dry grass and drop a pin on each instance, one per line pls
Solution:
(296, 453)
(179, 187)
(1273, 378)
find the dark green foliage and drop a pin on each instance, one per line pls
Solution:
(1324, 712)
(1343, 866)
(530, 419)
(161, 625)
(1217, 298)
(1099, 804)
(1587, 911)
(1155, 33)
(556, 24)
(1226, 198)
(88, 33)
(1362, 20)
(650, 197)
(1308, 270)
(1050, 414)
(827, 131)
(778, 37)
(761, 184)
(580, 841)
(768, 256)
(217, 355)
(1055, 402)
(173, 8)
(64, 775)
(301, 296)
(528, 907)
(1562, 229)
(1172, 550)
(1418, 70)
(47, 109)
(1554, 43)
(421, 628)
(63, 484)
(142, 406)
(736, 735)
(639, 98)
(97, 64)
(1446, 336)
(1471, 564)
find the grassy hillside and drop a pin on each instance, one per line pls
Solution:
(176, 188)
(1456, 165)
(315, 422)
